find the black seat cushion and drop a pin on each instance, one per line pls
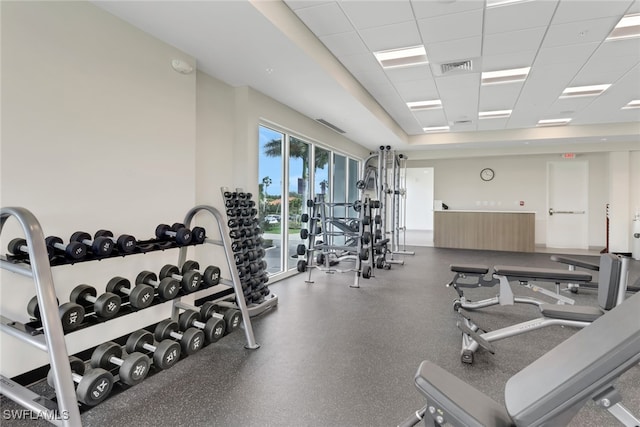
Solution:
(469, 268)
(542, 274)
(571, 312)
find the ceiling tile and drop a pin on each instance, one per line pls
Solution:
(325, 19)
(454, 50)
(492, 124)
(431, 117)
(366, 14)
(403, 74)
(371, 76)
(450, 27)
(417, 90)
(518, 16)
(561, 54)
(508, 60)
(593, 30)
(429, 9)
(361, 62)
(576, 10)
(459, 95)
(514, 41)
(344, 44)
(499, 97)
(393, 36)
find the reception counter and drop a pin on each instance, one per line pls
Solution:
(489, 230)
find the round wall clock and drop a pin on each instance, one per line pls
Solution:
(487, 174)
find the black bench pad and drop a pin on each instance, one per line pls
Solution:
(469, 268)
(571, 312)
(543, 274)
(462, 404)
(576, 262)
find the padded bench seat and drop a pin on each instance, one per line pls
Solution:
(571, 312)
(444, 390)
(575, 262)
(543, 274)
(469, 268)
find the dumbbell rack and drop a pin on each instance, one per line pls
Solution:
(51, 338)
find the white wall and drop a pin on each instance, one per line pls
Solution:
(98, 131)
(517, 178)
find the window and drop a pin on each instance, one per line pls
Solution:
(286, 181)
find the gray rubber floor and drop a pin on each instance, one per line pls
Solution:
(332, 355)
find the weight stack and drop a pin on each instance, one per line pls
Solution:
(247, 245)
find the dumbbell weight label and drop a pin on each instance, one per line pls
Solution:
(196, 344)
(139, 372)
(170, 357)
(112, 307)
(99, 389)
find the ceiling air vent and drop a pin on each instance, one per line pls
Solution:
(461, 122)
(456, 66)
(330, 126)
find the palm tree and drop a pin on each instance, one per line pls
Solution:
(297, 149)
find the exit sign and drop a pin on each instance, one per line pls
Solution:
(569, 155)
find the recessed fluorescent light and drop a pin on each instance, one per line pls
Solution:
(436, 129)
(498, 114)
(505, 76)
(403, 57)
(494, 3)
(425, 105)
(632, 104)
(553, 122)
(628, 27)
(593, 90)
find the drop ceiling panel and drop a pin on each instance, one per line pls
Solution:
(572, 10)
(371, 76)
(492, 124)
(518, 16)
(393, 36)
(454, 50)
(499, 96)
(417, 90)
(325, 19)
(508, 60)
(366, 14)
(593, 30)
(404, 74)
(561, 54)
(428, 118)
(513, 41)
(429, 9)
(344, 44)
(450, 27)
(459, 96)
(299, 4)
(363, 62)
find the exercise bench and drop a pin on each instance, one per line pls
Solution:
(551, 390)
(476, 276)
(551, 314)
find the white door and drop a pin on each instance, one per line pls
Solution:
(419, 208)
(567, 204)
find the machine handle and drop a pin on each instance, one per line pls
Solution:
(551, 212)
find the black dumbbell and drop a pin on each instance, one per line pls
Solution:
(93, 386)
(210, 275)
(125, 243)
(190, 340)
(182, 236)
(190, 281)
(100, 247)
(167, 288)
(165, 354)
(198, 234)
(141, 296)
(133, 368)
(105, 306)
(73, 250)
(71, 314)
(232, 316)
(213, 328)
(19, 246)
